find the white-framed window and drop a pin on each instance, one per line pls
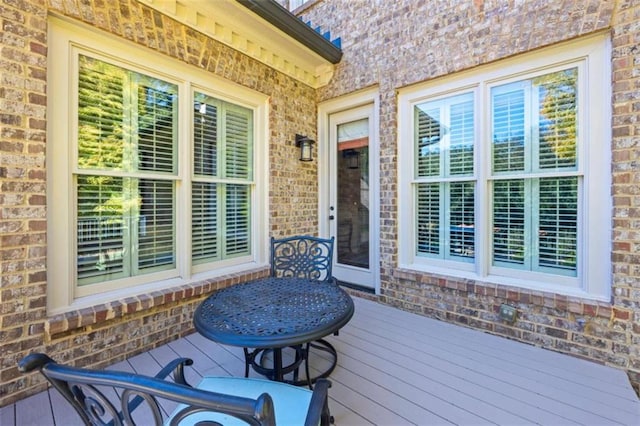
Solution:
(155, 171)
(511, 172)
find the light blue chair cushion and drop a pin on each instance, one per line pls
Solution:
(290, 403)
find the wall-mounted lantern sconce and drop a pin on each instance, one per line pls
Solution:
(352, 158)
(304, 143)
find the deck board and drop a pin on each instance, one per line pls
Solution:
(397, 368)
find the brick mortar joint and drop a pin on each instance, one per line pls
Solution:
(119, 308)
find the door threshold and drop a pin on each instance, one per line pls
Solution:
(357, 287)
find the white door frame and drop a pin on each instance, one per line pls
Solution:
(325, 109)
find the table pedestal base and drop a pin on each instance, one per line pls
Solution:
(275, 370)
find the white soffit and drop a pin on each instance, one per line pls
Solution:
(230, 23)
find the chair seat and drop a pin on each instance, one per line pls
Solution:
(290, 403)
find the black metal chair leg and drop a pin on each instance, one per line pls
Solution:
(306, 366)
(247, 362)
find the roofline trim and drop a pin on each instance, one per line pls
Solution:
(281, 18)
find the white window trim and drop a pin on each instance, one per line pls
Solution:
(594, 273)
(64, 37)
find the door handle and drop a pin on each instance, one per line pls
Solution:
(331, 217)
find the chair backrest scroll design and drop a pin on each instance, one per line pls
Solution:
(303, 257)
(87, 391)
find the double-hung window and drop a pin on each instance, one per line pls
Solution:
(152, 175)
(510, 180)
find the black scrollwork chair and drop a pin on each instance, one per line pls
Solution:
(300, 257)
(107, 397)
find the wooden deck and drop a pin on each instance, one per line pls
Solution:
(396, 368)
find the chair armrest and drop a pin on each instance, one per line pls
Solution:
(32, 362)
(177, 367)
(318, 413)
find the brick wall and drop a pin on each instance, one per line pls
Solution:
(111, 332)
(416, 40)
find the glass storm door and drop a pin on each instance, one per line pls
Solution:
(350, 201)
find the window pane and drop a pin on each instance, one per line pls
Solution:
(239, 142)
(100, 115)
(428, 140)
(204, 222)
(237, 219)
(101, 229)
(461, 219)
(557, 109)
(205, 138)
(508, 129)
(558, 231)
(461, 137)
(156, 233)
(223, 149)
(428, 206)
(126, 120)
(157, 127)
(508, 221)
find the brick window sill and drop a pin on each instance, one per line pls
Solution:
(107, 311)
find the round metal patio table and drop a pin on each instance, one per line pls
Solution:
(274, 313)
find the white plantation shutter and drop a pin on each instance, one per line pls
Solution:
(508, 129)
(428, 220)
(462, 138)
(221, 211)
(558, 224)
(102, 233)
(156, 130)
(156, 224)
(461, 219)
(204, 222)
(428, 140)
(509, 221)
(238, 131)
(237, 219)
(126, 141)
(205, 139)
